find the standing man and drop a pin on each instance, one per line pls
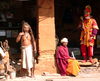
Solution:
(89, 30)
(28, 48)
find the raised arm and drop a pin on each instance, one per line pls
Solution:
(19, 36)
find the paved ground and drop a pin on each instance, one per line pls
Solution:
(86, 74)
(80, 77)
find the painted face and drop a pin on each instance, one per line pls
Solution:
(87, 17)
(26, 28)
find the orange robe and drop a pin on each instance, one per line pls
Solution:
(6, 58)
(73, 67)
(5, 62)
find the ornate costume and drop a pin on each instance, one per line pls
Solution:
(89, 29)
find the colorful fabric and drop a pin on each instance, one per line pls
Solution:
(73, 67)
(27, 57)
(86, 35)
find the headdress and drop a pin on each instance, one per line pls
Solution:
(87, 10)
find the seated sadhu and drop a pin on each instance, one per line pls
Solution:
(3, 61)
(2, 55)
(5, 48)
(5, 55)
(66, 64)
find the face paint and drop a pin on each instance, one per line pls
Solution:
(88, 17)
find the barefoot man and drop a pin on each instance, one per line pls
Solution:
(28, 48)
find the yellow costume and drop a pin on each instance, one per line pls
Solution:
(88, 26)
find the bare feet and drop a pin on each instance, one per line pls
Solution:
(83, 61)
(91, 61)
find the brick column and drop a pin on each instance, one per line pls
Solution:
(46, 37)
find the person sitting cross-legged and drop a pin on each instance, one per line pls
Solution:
(66, 64)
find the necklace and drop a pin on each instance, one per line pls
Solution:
(26, 35)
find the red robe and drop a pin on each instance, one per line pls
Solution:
(62, 56)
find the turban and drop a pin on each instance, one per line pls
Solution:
(87, 10)
(64, 40)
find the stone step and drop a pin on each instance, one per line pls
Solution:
(88, 70)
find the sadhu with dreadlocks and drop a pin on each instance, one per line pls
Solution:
(28, 48)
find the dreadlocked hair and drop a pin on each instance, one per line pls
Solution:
(30, 32)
